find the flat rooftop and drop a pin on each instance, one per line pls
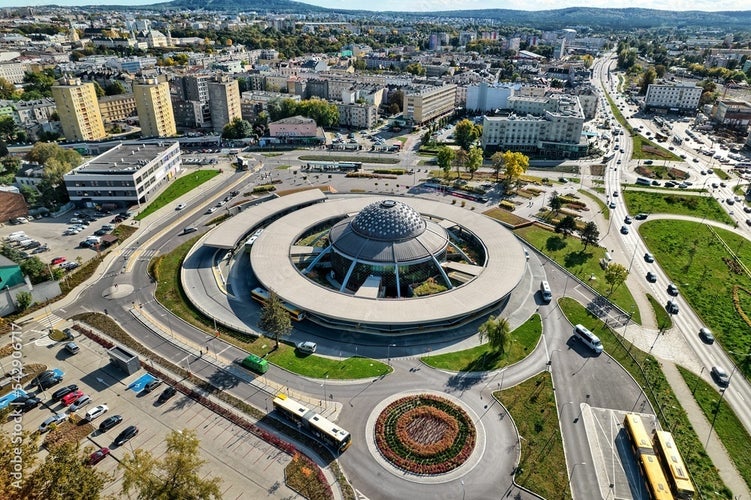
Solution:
(123, 158)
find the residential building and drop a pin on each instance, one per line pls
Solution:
(425, 104)
(485, 97)
(125, 175)
(732, 114)
(117, 108)
(78, 109)
(154, 108)
(190, 101)
(359, 116)
(679, 98)
(12, 71)
(224, 103)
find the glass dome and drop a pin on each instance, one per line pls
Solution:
(388, 220)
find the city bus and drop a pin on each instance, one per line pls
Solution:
(262, 295)
(672, 465)
(641, 446)
(305, 418)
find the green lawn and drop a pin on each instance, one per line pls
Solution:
(675, 203)
(647, 373)
(603, 207)
(314, 366)
(569, 253)
(176, 189)
(542, 465)
(365, 159)
(483, 358)
(644, 149)
(271, 155)
(727, 426)
(664, 322)
(701, 265)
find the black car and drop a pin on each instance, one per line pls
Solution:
(109, 422)
(127, 434)
(152, 385)
(651, 277)
(705, 334)
(47, 380)
(58, 394)
(640, 216)
(672, 290)
(166, 394)
(26, 403)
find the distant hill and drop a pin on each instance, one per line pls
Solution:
(281, 6)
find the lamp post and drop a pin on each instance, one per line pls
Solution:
(570, 476)
(325, 402)
(722, 396)
(388, 352)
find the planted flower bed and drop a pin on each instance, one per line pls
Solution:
(425, 434)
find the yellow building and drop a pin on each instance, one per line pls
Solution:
(117, 108)
(78, 110)
(154, 108)
(427, 103)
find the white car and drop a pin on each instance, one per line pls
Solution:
(180, 206)
(54, 419)
(96, 412)
(80, 403)
(211, 210)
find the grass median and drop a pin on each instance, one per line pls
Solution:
(179, 187)
(643, 201)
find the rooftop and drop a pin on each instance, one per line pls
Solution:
(123, 158)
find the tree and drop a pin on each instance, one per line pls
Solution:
(26, 449)
(445, 158)
(3, 149)
(615, 275)
(65, 474)
(496, 330)
(7, 89)
(415, 68)
(566, 226)
(498, 163)
(515, 164)
(275, 319)
(23, 300)
(466, 133)
(7, 128)
(587, 60)
(474, 161)
(590, 235)
(647, 78)
(114, 88)
(555, 203)
(176, 474)
(35, 269)
(99, 90)
(460, 159)
(237, 129)
(396, 98)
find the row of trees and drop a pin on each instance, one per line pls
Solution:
(324, 113)
(64, 473)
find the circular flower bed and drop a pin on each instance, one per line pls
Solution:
(425, 434)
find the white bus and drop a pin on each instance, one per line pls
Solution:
(588, 338)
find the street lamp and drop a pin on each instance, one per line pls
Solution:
(325, 402)
(570, 476)
(388, 352)
(722, 396)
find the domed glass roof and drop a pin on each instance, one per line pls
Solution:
(388, 220)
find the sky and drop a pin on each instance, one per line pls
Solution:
(439, 5)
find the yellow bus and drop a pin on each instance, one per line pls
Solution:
(656, 483)
(637, 435)
(262, 295)
(673, 466)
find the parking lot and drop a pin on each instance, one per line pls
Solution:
(249, 467)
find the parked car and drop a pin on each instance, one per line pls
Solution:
(63, 391)
(26, 403)
(166, 394)
(127, 434)
(98, 455)
(69, 398)
(705, 334)
(80, 403)
(72, 347)
(52, 420)
(96, 412)
(109, 422)
(69, 266)
(307, 347)
(49, 378)
(57, 260)
(720, 376)
(152, 385)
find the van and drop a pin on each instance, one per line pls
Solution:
(643, 181)
(23, 242)
(190, 229)
(15, 234)
(588, 338)
(547, 295)
(94, 239)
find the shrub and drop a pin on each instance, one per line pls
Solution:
(264, 188)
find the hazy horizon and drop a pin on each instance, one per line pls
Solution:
(445, 5)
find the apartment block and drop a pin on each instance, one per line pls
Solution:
(425, 104)
(78, 110)
(12, 71)
(154, 108)
(224, 103)
(359, 116)
(117, 108)
(486, 97)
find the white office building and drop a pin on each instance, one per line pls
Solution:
(677, 98)
(485, 97)
(126, 175)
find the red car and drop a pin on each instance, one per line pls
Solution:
(98, 456)
(72, 396)
(58, 260)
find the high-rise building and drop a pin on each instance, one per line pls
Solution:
(224, 102)
(154, 108)
(425, 104)
(78, 110)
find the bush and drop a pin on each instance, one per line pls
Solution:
(264, 188)
(505, 204)
(390, 171)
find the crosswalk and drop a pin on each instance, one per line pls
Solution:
(143, 255)
(48, 320)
